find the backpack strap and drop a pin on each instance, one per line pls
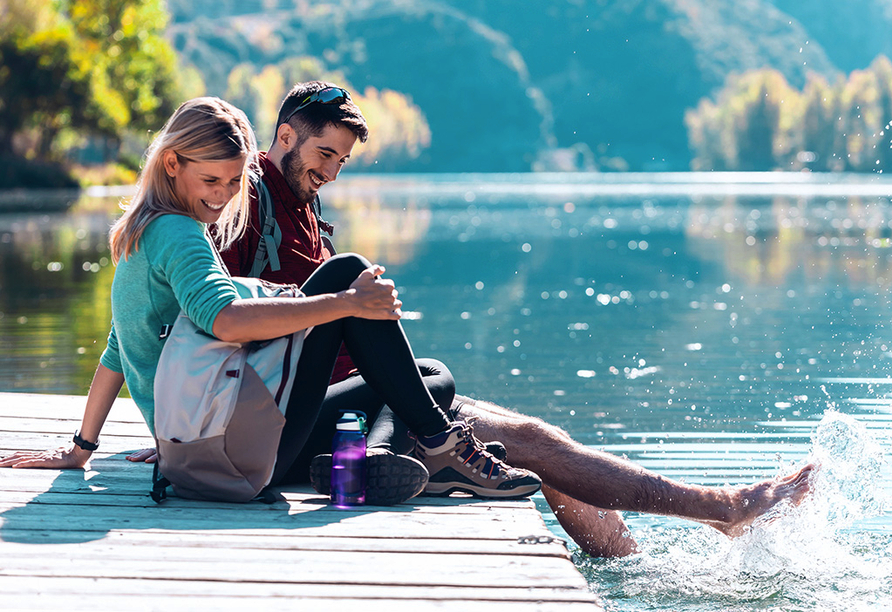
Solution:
(270, 234)
(159, 485)
(324, 226)
(268, 496)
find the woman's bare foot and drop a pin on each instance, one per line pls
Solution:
(749, 502)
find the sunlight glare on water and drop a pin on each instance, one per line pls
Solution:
(803, 558)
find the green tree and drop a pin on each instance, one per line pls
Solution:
(706, 132)
(42, 85)
(763, 105)
(882, 68)
(132, 65)
(755, 129)
(748, 127)
(242, 92)
(399, 129)
(819, 126)
(86, 67)
(860, 119)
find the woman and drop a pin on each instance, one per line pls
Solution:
(195, 175)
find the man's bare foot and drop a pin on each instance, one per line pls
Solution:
(749, 502)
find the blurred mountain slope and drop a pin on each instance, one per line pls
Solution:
(511, 85)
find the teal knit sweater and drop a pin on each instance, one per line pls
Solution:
(174, 267)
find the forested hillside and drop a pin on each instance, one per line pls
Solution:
(852, 33)
(514, 85)
(479, 85)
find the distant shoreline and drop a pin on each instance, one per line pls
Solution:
(801, 184)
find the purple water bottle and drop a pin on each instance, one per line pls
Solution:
(348, 468)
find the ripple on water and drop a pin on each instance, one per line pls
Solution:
(813, 557)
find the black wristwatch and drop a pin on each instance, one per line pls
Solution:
(87, 446)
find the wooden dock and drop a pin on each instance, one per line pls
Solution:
(93, 540)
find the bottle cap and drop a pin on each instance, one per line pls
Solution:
(352, 420)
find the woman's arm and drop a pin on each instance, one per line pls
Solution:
(103, 391)
(261, 319)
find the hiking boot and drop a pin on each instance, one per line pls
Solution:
(457, 461)
(391, 479)
(497, 450)
(494, 448)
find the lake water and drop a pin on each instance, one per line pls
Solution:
(714, 328)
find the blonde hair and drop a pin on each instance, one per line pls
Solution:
(201, 130)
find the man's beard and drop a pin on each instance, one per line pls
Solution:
(292, 169)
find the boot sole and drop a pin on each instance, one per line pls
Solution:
(436, 489)
(392, 479)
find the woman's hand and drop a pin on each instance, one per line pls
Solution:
(368, 297)
(103, 390)
(148, 455)
(61, 458)
(374, 297)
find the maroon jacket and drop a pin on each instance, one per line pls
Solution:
(302, 249)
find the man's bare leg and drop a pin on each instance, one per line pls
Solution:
(600, 533)
(603, 481)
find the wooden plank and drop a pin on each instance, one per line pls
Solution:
(63, 407)
(277, 566)
(304, 604)
(371, 524)
(12, 585)
(66, 427)
(305, 598)
(137, 540)
(93, 539)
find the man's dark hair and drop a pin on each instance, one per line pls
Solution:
(312, 120)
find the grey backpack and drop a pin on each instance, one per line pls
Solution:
(219, 407)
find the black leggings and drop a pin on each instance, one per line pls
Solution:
(386, 430)
(383, 356)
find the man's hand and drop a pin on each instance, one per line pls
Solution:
(374, 297)
(147, 455)
(61, 458)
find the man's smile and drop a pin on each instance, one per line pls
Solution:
(316, 180)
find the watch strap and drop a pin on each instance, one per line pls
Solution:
(84, 444)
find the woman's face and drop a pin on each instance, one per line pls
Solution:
(205, 187)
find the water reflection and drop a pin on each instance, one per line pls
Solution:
(55, 278)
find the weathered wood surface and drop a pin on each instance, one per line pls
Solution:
(93, 539)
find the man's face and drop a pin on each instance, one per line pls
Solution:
(317, 161)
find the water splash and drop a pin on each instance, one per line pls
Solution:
(812, 557)
(850, 463)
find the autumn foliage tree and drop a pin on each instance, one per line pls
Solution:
(759, 122)
(75, 69)
(398, 128)
(747, 127)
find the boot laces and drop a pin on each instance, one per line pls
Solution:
(467, 434)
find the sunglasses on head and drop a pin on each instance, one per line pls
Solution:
(329, 95)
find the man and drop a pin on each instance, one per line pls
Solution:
(585, 488)
(297, 164)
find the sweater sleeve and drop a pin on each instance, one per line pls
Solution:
(111, 356)
(182, 253)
